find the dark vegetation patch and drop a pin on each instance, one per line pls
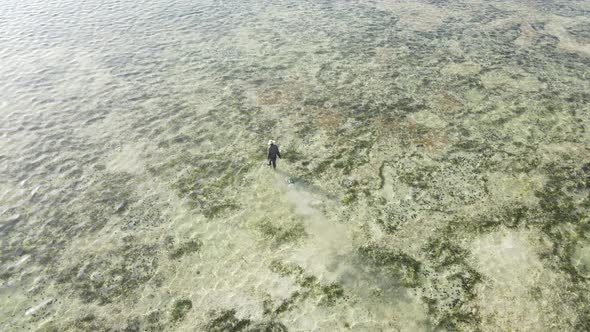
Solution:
(337, 163)
(422, 177)
(270, 326)
(564, 184)
(85, 322)
(294, 155)
(488, 13)
(91, 322)
(226, 321)
(457, 320)
(390, 221)
(82, 209)
(153, 322)
(88, 322)
(325, 294)
(563, 204)
(443, 253)
(449, 261)
(281, 234)
(180, 308)
(178, 250)
(398, 267)
(580, 31)
(207, 180)
(133, 325)
(112, 276)
(509, 216)
(218, 209)
(143, 214)
(562, 8)
(353, 190)
(583, 321)
(107, 194)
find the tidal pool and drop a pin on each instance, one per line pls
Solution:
(436, 170)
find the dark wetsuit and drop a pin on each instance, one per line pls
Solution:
(273, 153)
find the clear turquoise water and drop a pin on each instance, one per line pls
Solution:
(436, 168)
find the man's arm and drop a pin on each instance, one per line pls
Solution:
(279, 153)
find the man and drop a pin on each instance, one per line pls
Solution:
(273, 153)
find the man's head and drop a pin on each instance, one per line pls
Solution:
(271, 142)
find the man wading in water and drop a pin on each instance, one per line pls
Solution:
(273, 153)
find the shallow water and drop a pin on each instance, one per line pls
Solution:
(436, 168)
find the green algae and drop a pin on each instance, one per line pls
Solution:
(286, 305)
(226, 321)
(111, 276)
(457, 319)
(85, 322)
(559, 212)
(583, 321)
(268, 327)
(88, 322)
(219, 209)
(331, 293)
(92, 322)
(153, 322)
(185, 248)
(285, 269)
(143, 214)
(452, 277)
(294, 155)
(557, 197)
(281, 234)
(444, 253)
(349, 197)
(420, 178)
(400, 267)
(205, 180)
(389, 226)
(326, 294)
(110, 189)
(180, 308)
